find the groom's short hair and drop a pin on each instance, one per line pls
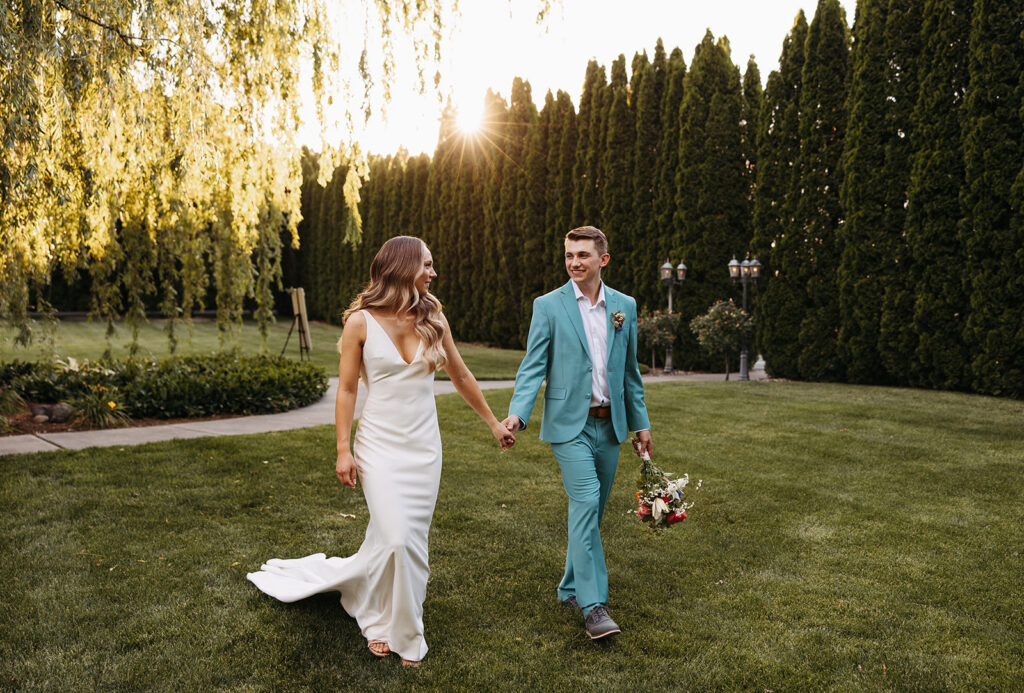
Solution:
(592, 233)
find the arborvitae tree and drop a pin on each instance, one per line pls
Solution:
(750, 116)
(590, 99)
(558, 215)
(502, 296)
(520, 122)
(664, 240)
(598, 136)
(883, 90)
(532, 200)
(617, 178)
(440, 230)
(991, 230)
(712, 206)
(818, 213)
(783, 295)
(416, 172)
(646, 257)
(473, 247)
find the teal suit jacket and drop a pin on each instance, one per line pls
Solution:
(557, 351)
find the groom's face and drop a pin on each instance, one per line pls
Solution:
(582, 261)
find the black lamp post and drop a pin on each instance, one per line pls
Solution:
(670, 276)
(744, 272)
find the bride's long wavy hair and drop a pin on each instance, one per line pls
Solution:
(392, 289)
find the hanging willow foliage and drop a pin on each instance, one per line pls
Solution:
(151, 143)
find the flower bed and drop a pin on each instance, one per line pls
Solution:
(175, 387)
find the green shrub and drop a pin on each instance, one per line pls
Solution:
(177, 386)
(98, 407)
(10, 401)
(722, 330)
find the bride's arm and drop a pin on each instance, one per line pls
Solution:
(352, 340)
(466, 385)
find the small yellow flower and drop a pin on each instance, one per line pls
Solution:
(111, 404)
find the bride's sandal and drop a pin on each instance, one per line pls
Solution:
(410, 663)
(379, 648)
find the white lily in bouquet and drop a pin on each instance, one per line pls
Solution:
(661, 500)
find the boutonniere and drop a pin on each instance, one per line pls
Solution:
(618, 319)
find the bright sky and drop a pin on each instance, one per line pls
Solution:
(497, 40)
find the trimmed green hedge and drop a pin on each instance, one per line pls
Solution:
(178, 386)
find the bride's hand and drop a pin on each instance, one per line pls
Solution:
(346, 469)
(504, 437)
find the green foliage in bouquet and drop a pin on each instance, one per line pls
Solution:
(722, 330)
(661, 500)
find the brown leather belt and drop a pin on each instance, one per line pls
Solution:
(601, 412)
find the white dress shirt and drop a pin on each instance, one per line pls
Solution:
(595, 324)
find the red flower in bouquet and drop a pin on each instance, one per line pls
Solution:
(644, 510)
(675, 517)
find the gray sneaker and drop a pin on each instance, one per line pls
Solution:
(571, 602)
(600, 624)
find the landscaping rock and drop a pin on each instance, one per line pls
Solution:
(40, 410)
(40, 418)
(60, 412)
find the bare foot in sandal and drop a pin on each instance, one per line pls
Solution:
(379, 648)
(410, 663)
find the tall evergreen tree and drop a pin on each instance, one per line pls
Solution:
(473, 251)
(646, 256)
(558, 217)
(991, 231)
(617, 179)
(440, 230)
(500, 322)
(533, 202)
(583, 177)
(712, 205)
(925, 307)
(665, 240)
(883, 90)
(817, 212)
(593, 196)
(783, 293)
(750, 117)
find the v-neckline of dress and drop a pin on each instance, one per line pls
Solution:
(395, 346)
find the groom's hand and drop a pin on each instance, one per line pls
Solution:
(644, 438)
(512, 424)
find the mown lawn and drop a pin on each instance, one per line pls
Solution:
(847, 538)
(84, 339)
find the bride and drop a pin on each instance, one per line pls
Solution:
(395, 337)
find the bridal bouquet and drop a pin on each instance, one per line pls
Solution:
(662, 501)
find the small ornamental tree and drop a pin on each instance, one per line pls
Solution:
(656, 331)
(722, 330)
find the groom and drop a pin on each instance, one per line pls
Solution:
(583, 343)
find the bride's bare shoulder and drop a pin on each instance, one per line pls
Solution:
(355, 325)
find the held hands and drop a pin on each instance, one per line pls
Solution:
(505, 437)
(346, 469)
(512, 424)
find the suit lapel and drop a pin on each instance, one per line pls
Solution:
(611, 305)
(572, 311)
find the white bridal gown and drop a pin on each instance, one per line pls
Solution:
(397, 450)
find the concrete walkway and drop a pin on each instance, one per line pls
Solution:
(317, 414)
